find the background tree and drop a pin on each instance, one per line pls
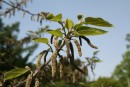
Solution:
(122, 71)
(106, 82)
(12, 49)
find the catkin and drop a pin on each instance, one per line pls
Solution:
(54, 61)
(29, 80)
(61, 68)
(78, 47)
(38, 63)
(55, 41)
(67, 47)
(36, 83)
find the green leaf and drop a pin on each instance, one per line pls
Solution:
(55, 32)
(88, 31)
(57, 18)
(97, 22)
(49, 16)
(96, 60)
(78, 25)
(14, 73)
(41, 40)
(69, 23)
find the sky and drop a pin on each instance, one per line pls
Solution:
(111, 45)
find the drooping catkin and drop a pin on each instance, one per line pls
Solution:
(78, 47)
(55, 41)
(36, 83)
(67, 47)
(38, 63)
(53, 65)
(29, 80)
(61, 68)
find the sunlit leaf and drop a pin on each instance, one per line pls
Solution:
(88, 31)
(41, 40)
(57, 18)
(69, 23)
(97, 22)
(49, 16)
(55, 32)
(78, 25)
(14, 73)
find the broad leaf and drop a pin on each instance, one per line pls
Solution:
(14, 73)
(78, 25)
(69, 23)
(55, 32)
(41, 40)
(97, 22)
(57, 18)
(88, 31)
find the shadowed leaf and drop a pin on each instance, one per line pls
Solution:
(49, 16)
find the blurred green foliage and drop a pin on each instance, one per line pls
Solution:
(122, 70)
(12, 49)
(106, 82)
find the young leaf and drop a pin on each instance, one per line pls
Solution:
(42, 40)
(88, 31)
(49, 16)
(14, 73)
(57, 18)
(97, 22)
(55, 32)
(69, 24)
(80, 17)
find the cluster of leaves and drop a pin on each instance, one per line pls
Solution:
(63, 37)
(122, 70)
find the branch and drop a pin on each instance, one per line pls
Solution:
(18, 6)
(38, 70)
